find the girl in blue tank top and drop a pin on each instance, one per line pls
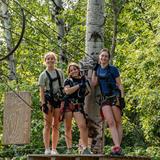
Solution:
(108, 79)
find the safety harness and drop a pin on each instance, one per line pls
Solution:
(74, 103)
(55, 98)
(112, 87)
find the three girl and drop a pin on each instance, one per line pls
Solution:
(76, 87)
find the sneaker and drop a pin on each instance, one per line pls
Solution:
(90, 151)
(54, 152)
(47, 151)
(116, 151)
(80, 149)
(69, 151)
(86, 151)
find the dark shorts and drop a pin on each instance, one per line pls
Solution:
(73, 107)
(55, 104)
(109, 101)
(70, 107)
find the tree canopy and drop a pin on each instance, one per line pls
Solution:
(136, 55)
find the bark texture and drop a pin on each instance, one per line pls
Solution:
(6, 21)
(94, 43)
(57, 9)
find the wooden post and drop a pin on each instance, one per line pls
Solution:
(17, 117)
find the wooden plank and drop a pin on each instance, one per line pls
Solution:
(16, 119)
(84, 157)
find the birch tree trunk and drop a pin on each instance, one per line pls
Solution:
(56, 11)
(6, 21)
(94, 43)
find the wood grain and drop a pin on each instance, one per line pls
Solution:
(16, 118)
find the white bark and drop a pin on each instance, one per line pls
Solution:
(8, 37)
(94, 43)
(94, 30)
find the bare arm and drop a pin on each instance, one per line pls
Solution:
(94, 80)
(69, 90)
(120, 86)
(42, 98)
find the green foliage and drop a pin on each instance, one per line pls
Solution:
(137, 56)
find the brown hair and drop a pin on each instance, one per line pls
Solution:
(72, 64)
(105, 50)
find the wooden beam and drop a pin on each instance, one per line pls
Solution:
(84, 157)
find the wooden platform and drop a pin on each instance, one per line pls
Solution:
(84, 157)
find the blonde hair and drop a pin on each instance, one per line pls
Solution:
(50, 54)
(72, 64)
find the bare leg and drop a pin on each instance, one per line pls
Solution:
(46, 129)
(68, 129)
(109, 117)
(81, 122)
(118, 120)
(55, 128)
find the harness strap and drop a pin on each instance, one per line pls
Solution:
(54, 79)
(59, 81)
(112, 76)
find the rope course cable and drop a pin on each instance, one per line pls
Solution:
(34, 42)
(40, 30)
(77, 47)
(27, 39)
(21, 36)
(85, 54)
(17, 94)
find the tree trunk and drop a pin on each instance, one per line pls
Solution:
(115, 27)
(56, 12)
(117, 8)
(6, 21)
(94, 43)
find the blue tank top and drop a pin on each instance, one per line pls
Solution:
(107, 80)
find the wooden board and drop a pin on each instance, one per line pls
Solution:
(17, 118)
(84, 157)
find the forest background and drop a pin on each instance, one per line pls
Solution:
(137, 55)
